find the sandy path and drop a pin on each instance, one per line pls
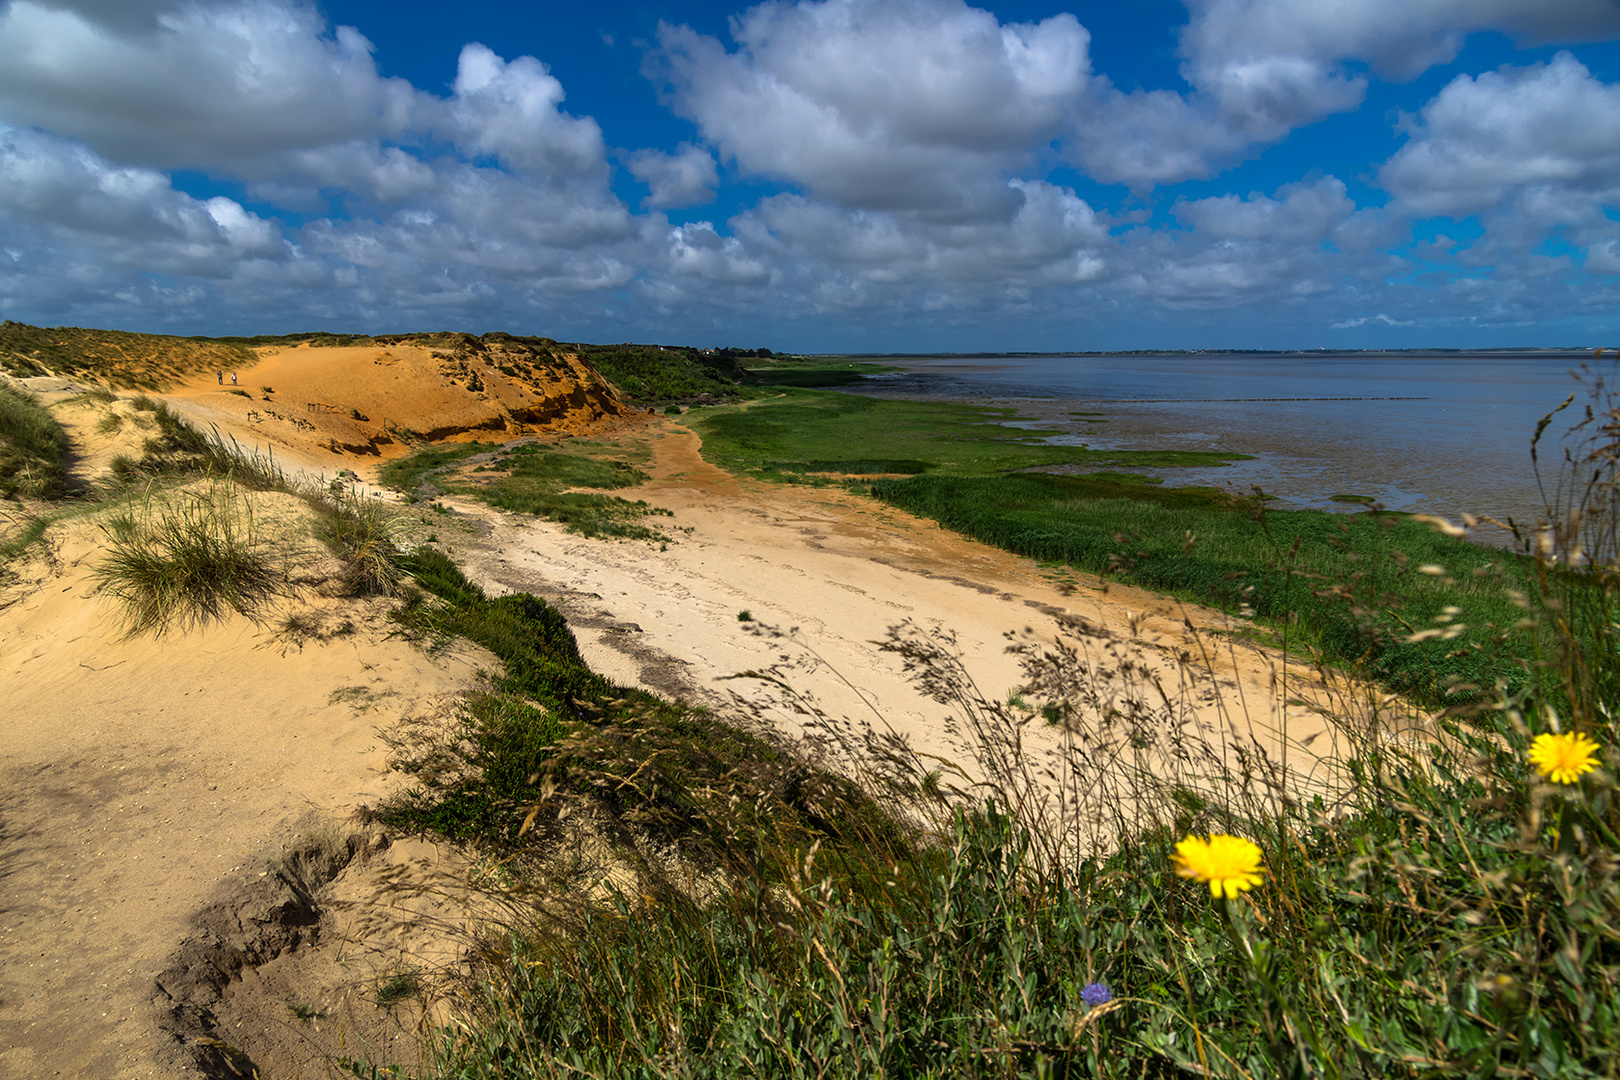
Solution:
(841, 571)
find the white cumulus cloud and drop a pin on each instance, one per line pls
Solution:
(511, 110)
(1261, 68)
(685, 178)
(1485, 139)
(909, 105)
(211, 86)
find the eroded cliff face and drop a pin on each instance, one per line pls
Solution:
(376, 398)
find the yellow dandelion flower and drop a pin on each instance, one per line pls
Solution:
(1563, 759)
(1229, 864)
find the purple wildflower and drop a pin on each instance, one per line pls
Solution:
(1095, 994)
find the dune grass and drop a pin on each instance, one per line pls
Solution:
(1431, 907)
(115, 357)
(179, 559)
(360, 532)
(185, 547)
(32, 447)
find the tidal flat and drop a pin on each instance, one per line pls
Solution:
(1439, 432)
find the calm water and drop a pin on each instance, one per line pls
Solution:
(1442, 434)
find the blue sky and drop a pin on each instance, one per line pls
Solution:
(829, 175)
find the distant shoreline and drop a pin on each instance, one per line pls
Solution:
(1559, 352)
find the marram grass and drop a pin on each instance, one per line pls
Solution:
(178, 559)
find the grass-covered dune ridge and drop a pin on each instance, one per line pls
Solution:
(115, 357)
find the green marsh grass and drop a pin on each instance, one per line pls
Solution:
(531, 479)
(788, 435)
(1378, 590)
(813, 374)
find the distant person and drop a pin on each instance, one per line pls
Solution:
(221, 375)
(233, 378)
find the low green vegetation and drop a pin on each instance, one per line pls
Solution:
(32, 447)
(529, 479)
(1440, 899)
(1378, 590)
(789, 435)
(408, 473)
(812, 374)
(395, 988)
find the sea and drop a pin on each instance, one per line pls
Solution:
(1445, 433)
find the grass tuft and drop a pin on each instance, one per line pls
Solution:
(360, 532)
(188, 557)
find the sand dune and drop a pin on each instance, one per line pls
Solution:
(368, 401)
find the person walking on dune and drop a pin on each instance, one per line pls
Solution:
(221, 376)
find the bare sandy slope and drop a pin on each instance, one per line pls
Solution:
(142, 778)
(838, 573)
(310, 403)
